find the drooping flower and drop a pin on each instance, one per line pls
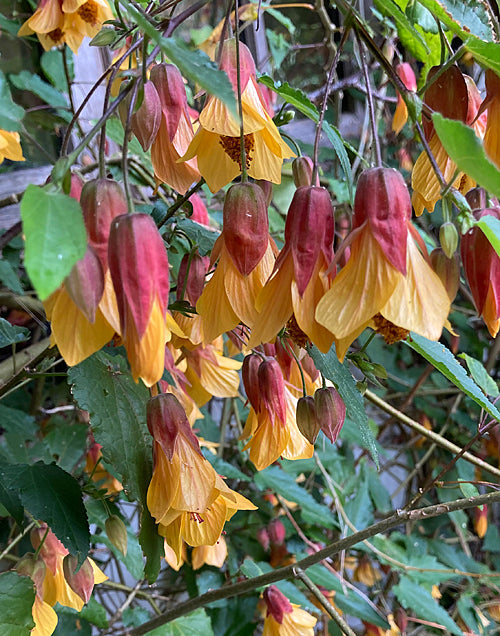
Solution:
(188, 499)
(387, 282)
(10, 146)
(456, 97)
(175, 131)
(284, 618)
(245, 261)
(482, 270)
(492, 101)
(407, 76)
(299, 278)
(216, 143)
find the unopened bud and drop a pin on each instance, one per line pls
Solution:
(277, 532)
(481, 520)
(477, 198)
(81, 582)
(277, 603)
(85, 284)
(250, 375)
(117, 533)
(330, 411)
(263, 538)
(272, 389)
(448, 270)
(33, 567)
(145, 122)
(267, 189)
(166, 418)
(191, 278)
(448, 237)
(302, 170)
(307, 422)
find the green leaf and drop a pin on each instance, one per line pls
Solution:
(152, 546)
(279, 45)
(359, 508)
(338, 145)
(193, 624)
(9, 26)
(10, 113)
(9, 493)
(17, 595)
(485, 53)
(445, 362)
(417, 598)
(9, 278)
(481, 376)
(250, 569)
(52, 64)
(227, 470)
(54, 496)
(27, 81)
(465, 148)
(95, 613)
(199, 235)
(412, 39)
(55, 236)
(10, 334)
(278, 480)
(330, 366)
(463, 18)
(491, 227)
(292, 96)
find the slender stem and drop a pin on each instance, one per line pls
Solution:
(126, 181)
(16, 540)
(180, 202)
(369, 99)
(243, 154)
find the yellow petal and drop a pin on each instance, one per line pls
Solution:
(44, 617)
(492, 134)
(268, 442)
(207, 528)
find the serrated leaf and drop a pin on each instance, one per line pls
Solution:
(417, 44)
(10, 113)
(465, 148)
(8, 277)
(481, 376)
(463, 18)
(54, 496)
(10, 334)
(17, 595)
(34, 83)
(277, 480)
(55, 237)
(194, 624)
(330, 366)
(490, 225)
(445, 362)
(417, 598)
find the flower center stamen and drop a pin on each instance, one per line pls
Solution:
(196, 517)
(390, 332)
(232, 148)
(295, 333)
(56, 35)
(88, 12)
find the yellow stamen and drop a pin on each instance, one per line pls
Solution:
(88, 12)
(390, 332)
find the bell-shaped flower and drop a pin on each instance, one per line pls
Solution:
(245, 260)
(492, 102)
(145, 121)
(284, 618)
(299, 278)
(10, 146)
(175, 131)
(407, 76)
(482, 270)
(216, 143)
(387, 282)
(455, 96)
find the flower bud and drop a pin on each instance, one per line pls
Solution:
(448, 237)
(102, 200)
(81, 582)
(166, 418)
(228, 63)
(77, 183)
(33, 567)
(307, 422)
(200, 212)
(448, 270)
(330, 411)
(263, 538)
(277, 603)
(51, 549)
(190, 282)
(272, 389)
(477, 198)
(407, 76)
(117, 533)
(276, 531)
(169, 85)
(267, 189)
(249, 373)
(246, 226)
(85, 284)
(481, 520)
(302, 170)
(145, 122)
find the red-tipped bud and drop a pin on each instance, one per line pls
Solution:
(277, 532)
(267, 189)
(302, 170)
(309, 231)
(282, 355)
(33, 567)
(85, 284)
(250, 375)
(166, 419)
(307, 422)
(139, 269)
(51, 549)
(407, 75)
(447, 95)
(401, 620)
(448, 270)
(191, 278)
(482, 270)
(145, 122)
(117, 533)
(263, 538)
(330, 411)
(81, 581)
(309, 367)
(272, 389)
(448, 237)
(200, 212)
(228, 63)
(277, 603)
(102, 200)
(246, 226)
(77, 183)
(481, 520)
(171, 91)
(382, 200)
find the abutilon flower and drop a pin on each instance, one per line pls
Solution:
(387, 282)
(284, 618)
(407, 76)
(187, 498)
(455, 96)
(145, 121)
(216, 143)
(44, 616)
(299, 278)
(482, 270)
(492, 102)
(175, 131)
(10, 146)
(245, 260)
(58, 22)
(138, 264)
(190, 284)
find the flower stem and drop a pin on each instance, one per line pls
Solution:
(244, 175)
(371, 108)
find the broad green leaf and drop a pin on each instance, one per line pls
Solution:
(330, 366)
(292, 96)
(445, 362)
(53, 66)
(278, 480)
(463, 18)
(250, 569)
(9, 278)
(417, 598)
(95, 613)
(485, 53)
(10, 334)
(193, 64)
(9, 26)
(34, 83)
(20, 437)
(407, 33)
(9, 493)
(195, 624)
(10, 113)
(359, 508)
(481, 376)
(54, 496)
(65, 442)
(55, 237)
(279, 45)
(338, 145)
(227, 470)
(491, 227)
(465, 148)
(199, 235)
(17, 595)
